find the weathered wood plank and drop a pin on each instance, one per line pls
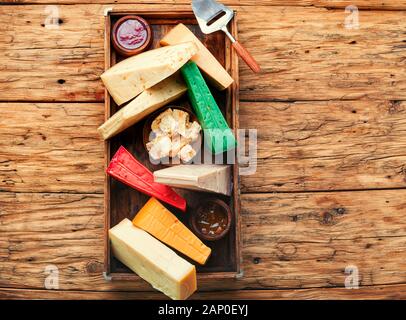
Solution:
(290, 240)
(392, 292)
(51, 64)
(327, 145)
(306, 53)
(51, 147)
(361, 4)
(48, 147)
(321, 234)
(309, 54)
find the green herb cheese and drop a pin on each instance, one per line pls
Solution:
(217, 133)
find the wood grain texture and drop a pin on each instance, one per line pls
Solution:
(365, 293)
(306, 53)
(54, 147)
(51, 147)
(246, 56)
(309, 54)
(300, 240)
(51, 64)
(327, 145)
(295, 245)
(361, 4)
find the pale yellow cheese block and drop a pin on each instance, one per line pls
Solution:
(153, 261)
(128, 78)
(147, 102)
(207, 63)
(201, 177)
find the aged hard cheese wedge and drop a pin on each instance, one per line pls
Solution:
(128, 78)
(153, 261)
(204, 177)
(214, 71)
(148, 101)
(163, 225)
(217, 133)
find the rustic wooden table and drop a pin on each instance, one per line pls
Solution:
(329, 192)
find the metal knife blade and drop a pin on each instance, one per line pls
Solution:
(206, 9)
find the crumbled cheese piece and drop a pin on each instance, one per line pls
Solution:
(178, 142)
(193, 131)
(187, 153)
(160, 147)
(168, 125)
(155, 124)
(182, 118)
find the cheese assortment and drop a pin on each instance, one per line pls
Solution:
(163, 225)
(217, 133)
(147, 82)
(210, 178)
(147, 102)
(128, 78)
(207, 63)
(153, 261)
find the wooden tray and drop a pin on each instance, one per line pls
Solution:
(122, 201)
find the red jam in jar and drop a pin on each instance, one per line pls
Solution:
(131, 35)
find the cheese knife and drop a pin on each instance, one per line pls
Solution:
(213, 16)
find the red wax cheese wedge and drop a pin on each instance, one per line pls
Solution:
(125, 168)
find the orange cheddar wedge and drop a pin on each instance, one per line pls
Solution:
(163, 225)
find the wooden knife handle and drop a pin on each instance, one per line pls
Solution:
(246, 56)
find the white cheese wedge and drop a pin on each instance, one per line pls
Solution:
(128, 78)
(211, 68)
(211, 178)
(147, 102)
(153, 261)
